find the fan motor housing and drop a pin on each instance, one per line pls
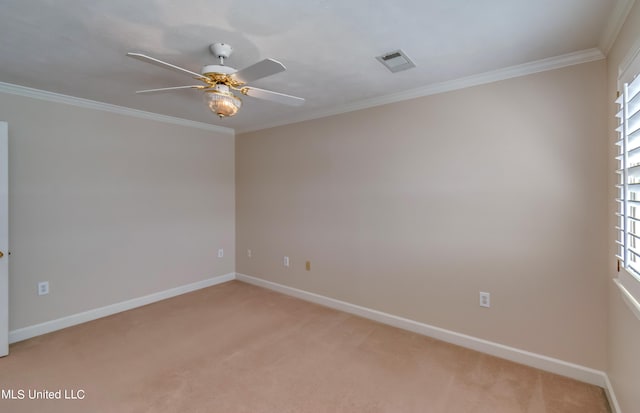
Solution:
(225, 70)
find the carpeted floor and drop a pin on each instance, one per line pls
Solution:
(236, 348)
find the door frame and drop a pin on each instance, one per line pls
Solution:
(4, 239)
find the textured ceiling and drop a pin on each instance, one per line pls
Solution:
(78, 47)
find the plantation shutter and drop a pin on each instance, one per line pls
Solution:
(628, 183)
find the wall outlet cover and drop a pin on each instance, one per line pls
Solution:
(43, 288)
(485, 299)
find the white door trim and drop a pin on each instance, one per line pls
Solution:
(4, 239)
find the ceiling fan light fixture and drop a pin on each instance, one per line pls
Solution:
(220, 81)
(223, 103)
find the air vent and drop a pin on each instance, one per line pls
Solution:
(396, 61)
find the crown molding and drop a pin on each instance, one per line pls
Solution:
(614, 24)
(107, 107)
(537, 66)
(630, 62)
(551, 63)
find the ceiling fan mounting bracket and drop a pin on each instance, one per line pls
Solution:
(221, 50)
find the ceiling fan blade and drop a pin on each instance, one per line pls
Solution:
(166, 65)
(272, 96)
(264, 68)
(170, 89)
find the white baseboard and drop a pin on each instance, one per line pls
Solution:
(64, 322)
(575, 371)
(611, 395)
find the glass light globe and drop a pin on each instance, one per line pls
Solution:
(222, 103)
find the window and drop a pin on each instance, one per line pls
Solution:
(628, 184)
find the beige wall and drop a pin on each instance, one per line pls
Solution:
(413, 208)
(109, 207)
(624, 328)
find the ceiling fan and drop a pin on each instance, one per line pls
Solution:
(220, 81)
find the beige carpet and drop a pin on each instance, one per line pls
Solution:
(236, 348)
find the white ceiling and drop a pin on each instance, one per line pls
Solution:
(78, 47)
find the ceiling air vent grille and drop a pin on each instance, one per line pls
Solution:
(396, 61)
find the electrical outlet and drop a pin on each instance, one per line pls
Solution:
(248, 253)
(220, 253)
(285, 261)
(485, 299)
(43, 288)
